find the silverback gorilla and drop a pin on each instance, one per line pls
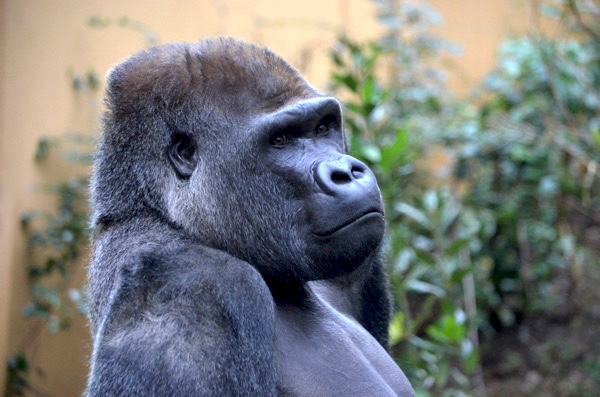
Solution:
(236, 242)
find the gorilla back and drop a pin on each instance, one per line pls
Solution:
(236, 241)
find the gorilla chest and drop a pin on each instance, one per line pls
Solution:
(326, 353)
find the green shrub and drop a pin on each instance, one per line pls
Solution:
(495, 242)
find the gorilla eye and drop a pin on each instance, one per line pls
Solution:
(322, 129)
(279, 140)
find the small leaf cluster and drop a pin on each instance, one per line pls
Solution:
(56, 244)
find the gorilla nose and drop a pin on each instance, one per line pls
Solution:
(343, 176)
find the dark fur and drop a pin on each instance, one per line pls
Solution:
(186, 271)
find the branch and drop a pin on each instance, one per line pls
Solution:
(579, 19)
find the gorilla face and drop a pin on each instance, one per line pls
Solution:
(227, 142)
(339, 213)
(290, 200)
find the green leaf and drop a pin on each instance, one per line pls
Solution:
(369, 91)
(596, 138)
(98, 21)
(392, 153)
(430, 201)
(371, 153)
(28, 310)
(356, 108)
(443, 372)
(347, 80)
(18, 363)
(337, 58)
(450, 213)
(550, 11)
(26, 218)
(470, 355)
(459, 274)
(426, 288)
(447, 330)
(422, 344)
(92, 81)
(54, 324)
(458, 245)
(47, 295)
(414, 214)
(377, 115)
(43, 148)
(403, 260)
(397, 332)
(425, 257)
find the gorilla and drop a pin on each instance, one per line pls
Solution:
(236, 243)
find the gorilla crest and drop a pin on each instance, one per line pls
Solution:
(236, 242)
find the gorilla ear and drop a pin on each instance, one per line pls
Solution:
(182, 154)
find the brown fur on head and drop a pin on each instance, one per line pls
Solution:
(243, 74)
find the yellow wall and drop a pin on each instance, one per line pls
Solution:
(5, 263)
(478, 26)
(40, 40)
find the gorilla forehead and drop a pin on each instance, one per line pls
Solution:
(212, 74)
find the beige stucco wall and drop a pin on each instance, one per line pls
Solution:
(5, 264)
(40, 40)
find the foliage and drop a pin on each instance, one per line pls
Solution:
(101, 22)
(56, 242)
(533, 165)
(497, 242)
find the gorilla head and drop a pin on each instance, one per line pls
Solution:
(227, 143)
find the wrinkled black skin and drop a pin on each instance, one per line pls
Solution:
(207, 220)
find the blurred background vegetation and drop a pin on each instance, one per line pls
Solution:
(492, 203)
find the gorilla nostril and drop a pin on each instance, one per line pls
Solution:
(357, 171)
(339, 177)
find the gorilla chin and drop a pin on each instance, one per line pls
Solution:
(348, 246)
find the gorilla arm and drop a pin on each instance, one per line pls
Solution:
(190, 321)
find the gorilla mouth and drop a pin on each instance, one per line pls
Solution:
(366, 214)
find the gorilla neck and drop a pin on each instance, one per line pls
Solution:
(289, 293)
(301, 293)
